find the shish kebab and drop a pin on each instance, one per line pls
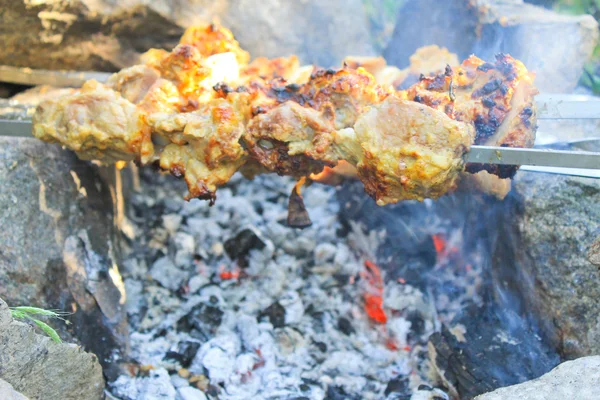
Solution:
(203, 112)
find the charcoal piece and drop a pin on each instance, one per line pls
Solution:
(500, 349)
(321, 346)
(202, 322)
(417, 323)
(345, 326)
(297, 214)
(398, 385)
(276, 314)
(338, 393)
(184, 353)
(244, 241)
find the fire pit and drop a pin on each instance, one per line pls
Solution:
(322, 294)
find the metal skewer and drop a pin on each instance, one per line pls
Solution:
(34, 77)
(534, 157)
(478, 154)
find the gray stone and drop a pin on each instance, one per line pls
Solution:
(59, 242)
(555, 46)
(574, 380)
(107, 35)
(40, 368)
(7, 392)
(594, 253)
(545, 254)
(319, 32)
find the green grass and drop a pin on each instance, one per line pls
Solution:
(32, 314)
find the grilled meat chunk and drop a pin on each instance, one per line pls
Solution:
(291, 140)
(484, 94)
(406, 151)
(202, 146)
(96, 123)
(427, 60)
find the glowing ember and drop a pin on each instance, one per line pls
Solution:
(439, 243)
(373, 295)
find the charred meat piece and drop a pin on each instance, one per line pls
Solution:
(406, 151)
(202, 146)
(291, 140)
(344, 94)
(497, 98)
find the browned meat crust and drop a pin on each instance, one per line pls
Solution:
(203, 113)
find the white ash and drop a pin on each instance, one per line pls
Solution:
(287, 323)
(167, 274)
(155, 386)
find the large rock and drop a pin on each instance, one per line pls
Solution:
(555, 46)
(543, 250)
(43, 369)
(7, 392)
(107, 35)
(573, 380)
(60, 243)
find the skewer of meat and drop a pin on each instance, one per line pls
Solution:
(202, 113)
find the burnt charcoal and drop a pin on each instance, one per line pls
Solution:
(244, 241)
(321, 346)
(202, 322)
(338, 393)
(213, 391)
(417, 327)
(276, 314)
(184, 353)
(425, 387)
(304, 387)
(297, 214)
(398, 385)
(500, 349)
(345, 326)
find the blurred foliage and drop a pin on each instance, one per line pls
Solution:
(382, 19)
(591, 73)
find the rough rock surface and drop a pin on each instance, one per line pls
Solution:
(43, 369)
(555, 46)
(545, 253)
(59, 241)
(107, 35)
(7, 392)
(574, 380)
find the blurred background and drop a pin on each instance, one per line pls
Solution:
(557, 39)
